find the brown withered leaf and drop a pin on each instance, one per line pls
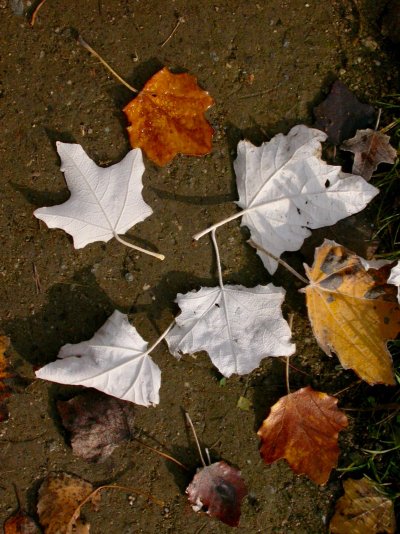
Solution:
(219, 490)
(303, 428)
(167, 117)
(60, 496)
(97, 422)
(21, 523)
(5, 391)
(353, 311)
(369, 148)
(363, 509)
(341, 114)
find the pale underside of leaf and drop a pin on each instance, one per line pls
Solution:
(394, 279)
(237, 326)
(285, 189)
(104, 202)
(114, 361)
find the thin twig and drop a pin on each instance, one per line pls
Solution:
(140, 249)
(180, 21)
(77, 511)
(83, 43)
(259, 93)
(378, 407)
(378, 119)
(294, 367)
(196, 439)
(17, 496)
(278, 260)
(291, 315)
(35, 13)
(36, 279)
(163, 454)
(346, 388)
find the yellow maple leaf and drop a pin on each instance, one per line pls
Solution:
(353, 311)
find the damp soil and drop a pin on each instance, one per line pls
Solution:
(266, 64)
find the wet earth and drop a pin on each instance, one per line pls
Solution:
(266, 64)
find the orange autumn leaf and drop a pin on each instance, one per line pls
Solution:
(4, 389)
(363, 509)
(303, 428)
(353, 311)
(20, 523)
(167, 117)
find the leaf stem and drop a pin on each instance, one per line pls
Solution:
(163, 454)
(291, 315)
(197, 236)
(83, 43)
(278, 260)
(378, 119)
(214, 240)
(35, 13)
(140, 249)
(93, 494)
(195, 438)
(161, 337)
(178, 23)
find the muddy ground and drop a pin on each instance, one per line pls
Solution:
(266, 64)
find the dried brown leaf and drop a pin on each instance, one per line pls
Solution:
(59, 498)
(97, 422)
(370, 148)
(303, 428)
(363, 509)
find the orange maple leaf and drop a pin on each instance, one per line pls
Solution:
(20, 523)
(167, 117)
(353, 311)
(303, 428)
(4, 389)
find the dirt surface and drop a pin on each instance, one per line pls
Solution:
(266, 64)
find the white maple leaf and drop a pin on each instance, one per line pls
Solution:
(237, 326)
(394, 279)
(104, 202)
(115, 360)
(285, 189)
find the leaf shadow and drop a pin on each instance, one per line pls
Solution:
(198, 200)
(42, 198)
(75, 310)
(164, 293)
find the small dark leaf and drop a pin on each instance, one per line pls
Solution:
(369, 148)
(341, 114)
(219, 490)
(97, 423)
